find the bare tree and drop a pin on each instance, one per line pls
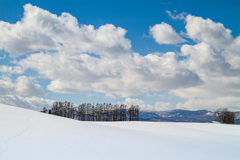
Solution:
(223, 115)
(100, 112)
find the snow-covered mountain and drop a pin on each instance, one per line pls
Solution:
(177, 115)
(28, 135)
(203, 116)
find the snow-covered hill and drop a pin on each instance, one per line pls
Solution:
(28, 135)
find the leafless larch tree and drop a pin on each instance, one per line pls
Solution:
(98, 112)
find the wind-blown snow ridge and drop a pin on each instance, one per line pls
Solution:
(27, 135)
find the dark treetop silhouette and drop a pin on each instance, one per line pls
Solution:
(98, 112)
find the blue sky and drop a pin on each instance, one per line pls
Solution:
(158, 54)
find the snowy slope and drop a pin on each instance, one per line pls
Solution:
(28, 135)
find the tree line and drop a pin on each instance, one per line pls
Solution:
(91, 112)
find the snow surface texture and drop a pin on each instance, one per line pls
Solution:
(28, 135)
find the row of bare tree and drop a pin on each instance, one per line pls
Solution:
(98, 112)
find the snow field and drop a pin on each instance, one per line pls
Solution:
(27, 135)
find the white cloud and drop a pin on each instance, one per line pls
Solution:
(100, 60)
(159, 106)
(164, 34)
(41, 30)
(22, 86)
(180, 16)
(209, 104)
(11, 69)
(141, 103)
(205, 30)
(124, 76)
(232, 54)
(215, 59)
(218, 72)
(34, 103)
(71, 70)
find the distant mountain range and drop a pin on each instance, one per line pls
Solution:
(202, 116)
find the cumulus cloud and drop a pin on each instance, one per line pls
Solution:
(217, 69)
(73, 69)
(41, 30)
(215, 59)
(34, 103)
(232, 54)
(125, 76)
(23, 86)
(83, 59)
(14, 92)
(205, 30)
(164, 34)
